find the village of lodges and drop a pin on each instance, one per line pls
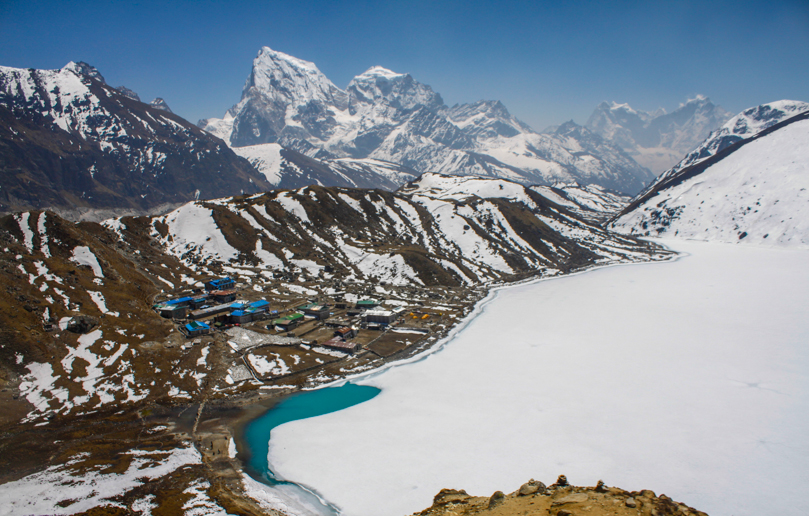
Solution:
(336, 326)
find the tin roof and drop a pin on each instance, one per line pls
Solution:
(194, 325)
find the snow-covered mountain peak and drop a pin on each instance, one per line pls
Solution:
(749, 186)
(283, 78)
(377, 72)
(622, 107)
(126, 92)
(698, 99)
(657, 139)
(380, 86)
(159, 103)
(487, 118)
(389, 116)
(754, 120)
(83, 68)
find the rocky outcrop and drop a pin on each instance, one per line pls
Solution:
(560, 499)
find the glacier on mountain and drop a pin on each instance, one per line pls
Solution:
(389, 116)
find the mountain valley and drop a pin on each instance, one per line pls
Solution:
(166, 283)
(85, 345)
(657, 140)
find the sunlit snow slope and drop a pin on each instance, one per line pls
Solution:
(755, 190)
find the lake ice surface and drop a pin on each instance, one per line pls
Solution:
(690, 378)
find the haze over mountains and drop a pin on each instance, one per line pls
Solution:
(391, 117)
(748, 182)
(657, 140)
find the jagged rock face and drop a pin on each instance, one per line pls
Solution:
(487, 119)
(126, 92)
(283, 92)
(392, 117)
(68, 140)
(83, 68)
(394, 92)
(657, 140)
(746, 124)
(746, 183)
(159, 103)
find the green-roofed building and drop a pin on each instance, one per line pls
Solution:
(289, 321)
(367, 303)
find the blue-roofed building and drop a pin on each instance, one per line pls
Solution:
(181, 301)
(196, 328)
(241, 317)
(261, 303)
(220, 284)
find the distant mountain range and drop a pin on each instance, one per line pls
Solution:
(657, 140)
(72, 143)
(388, 116)
(747, 182)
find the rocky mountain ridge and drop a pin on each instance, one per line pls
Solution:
(392, 117)
(70, 142)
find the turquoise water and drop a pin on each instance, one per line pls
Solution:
(298, 406)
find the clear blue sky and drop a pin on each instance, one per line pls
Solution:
(547, 61)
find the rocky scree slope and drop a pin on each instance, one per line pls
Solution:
(657, 140)
(391, 117)
(438, 230)
(70, 142)
(748, 182)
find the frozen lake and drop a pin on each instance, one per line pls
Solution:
(690, 378)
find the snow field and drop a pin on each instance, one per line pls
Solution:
(687, 378)
(757, 195)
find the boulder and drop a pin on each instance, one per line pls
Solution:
(496, 499)
(532, 487)
(446, 496)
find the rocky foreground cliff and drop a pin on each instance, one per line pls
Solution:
(558, 499)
